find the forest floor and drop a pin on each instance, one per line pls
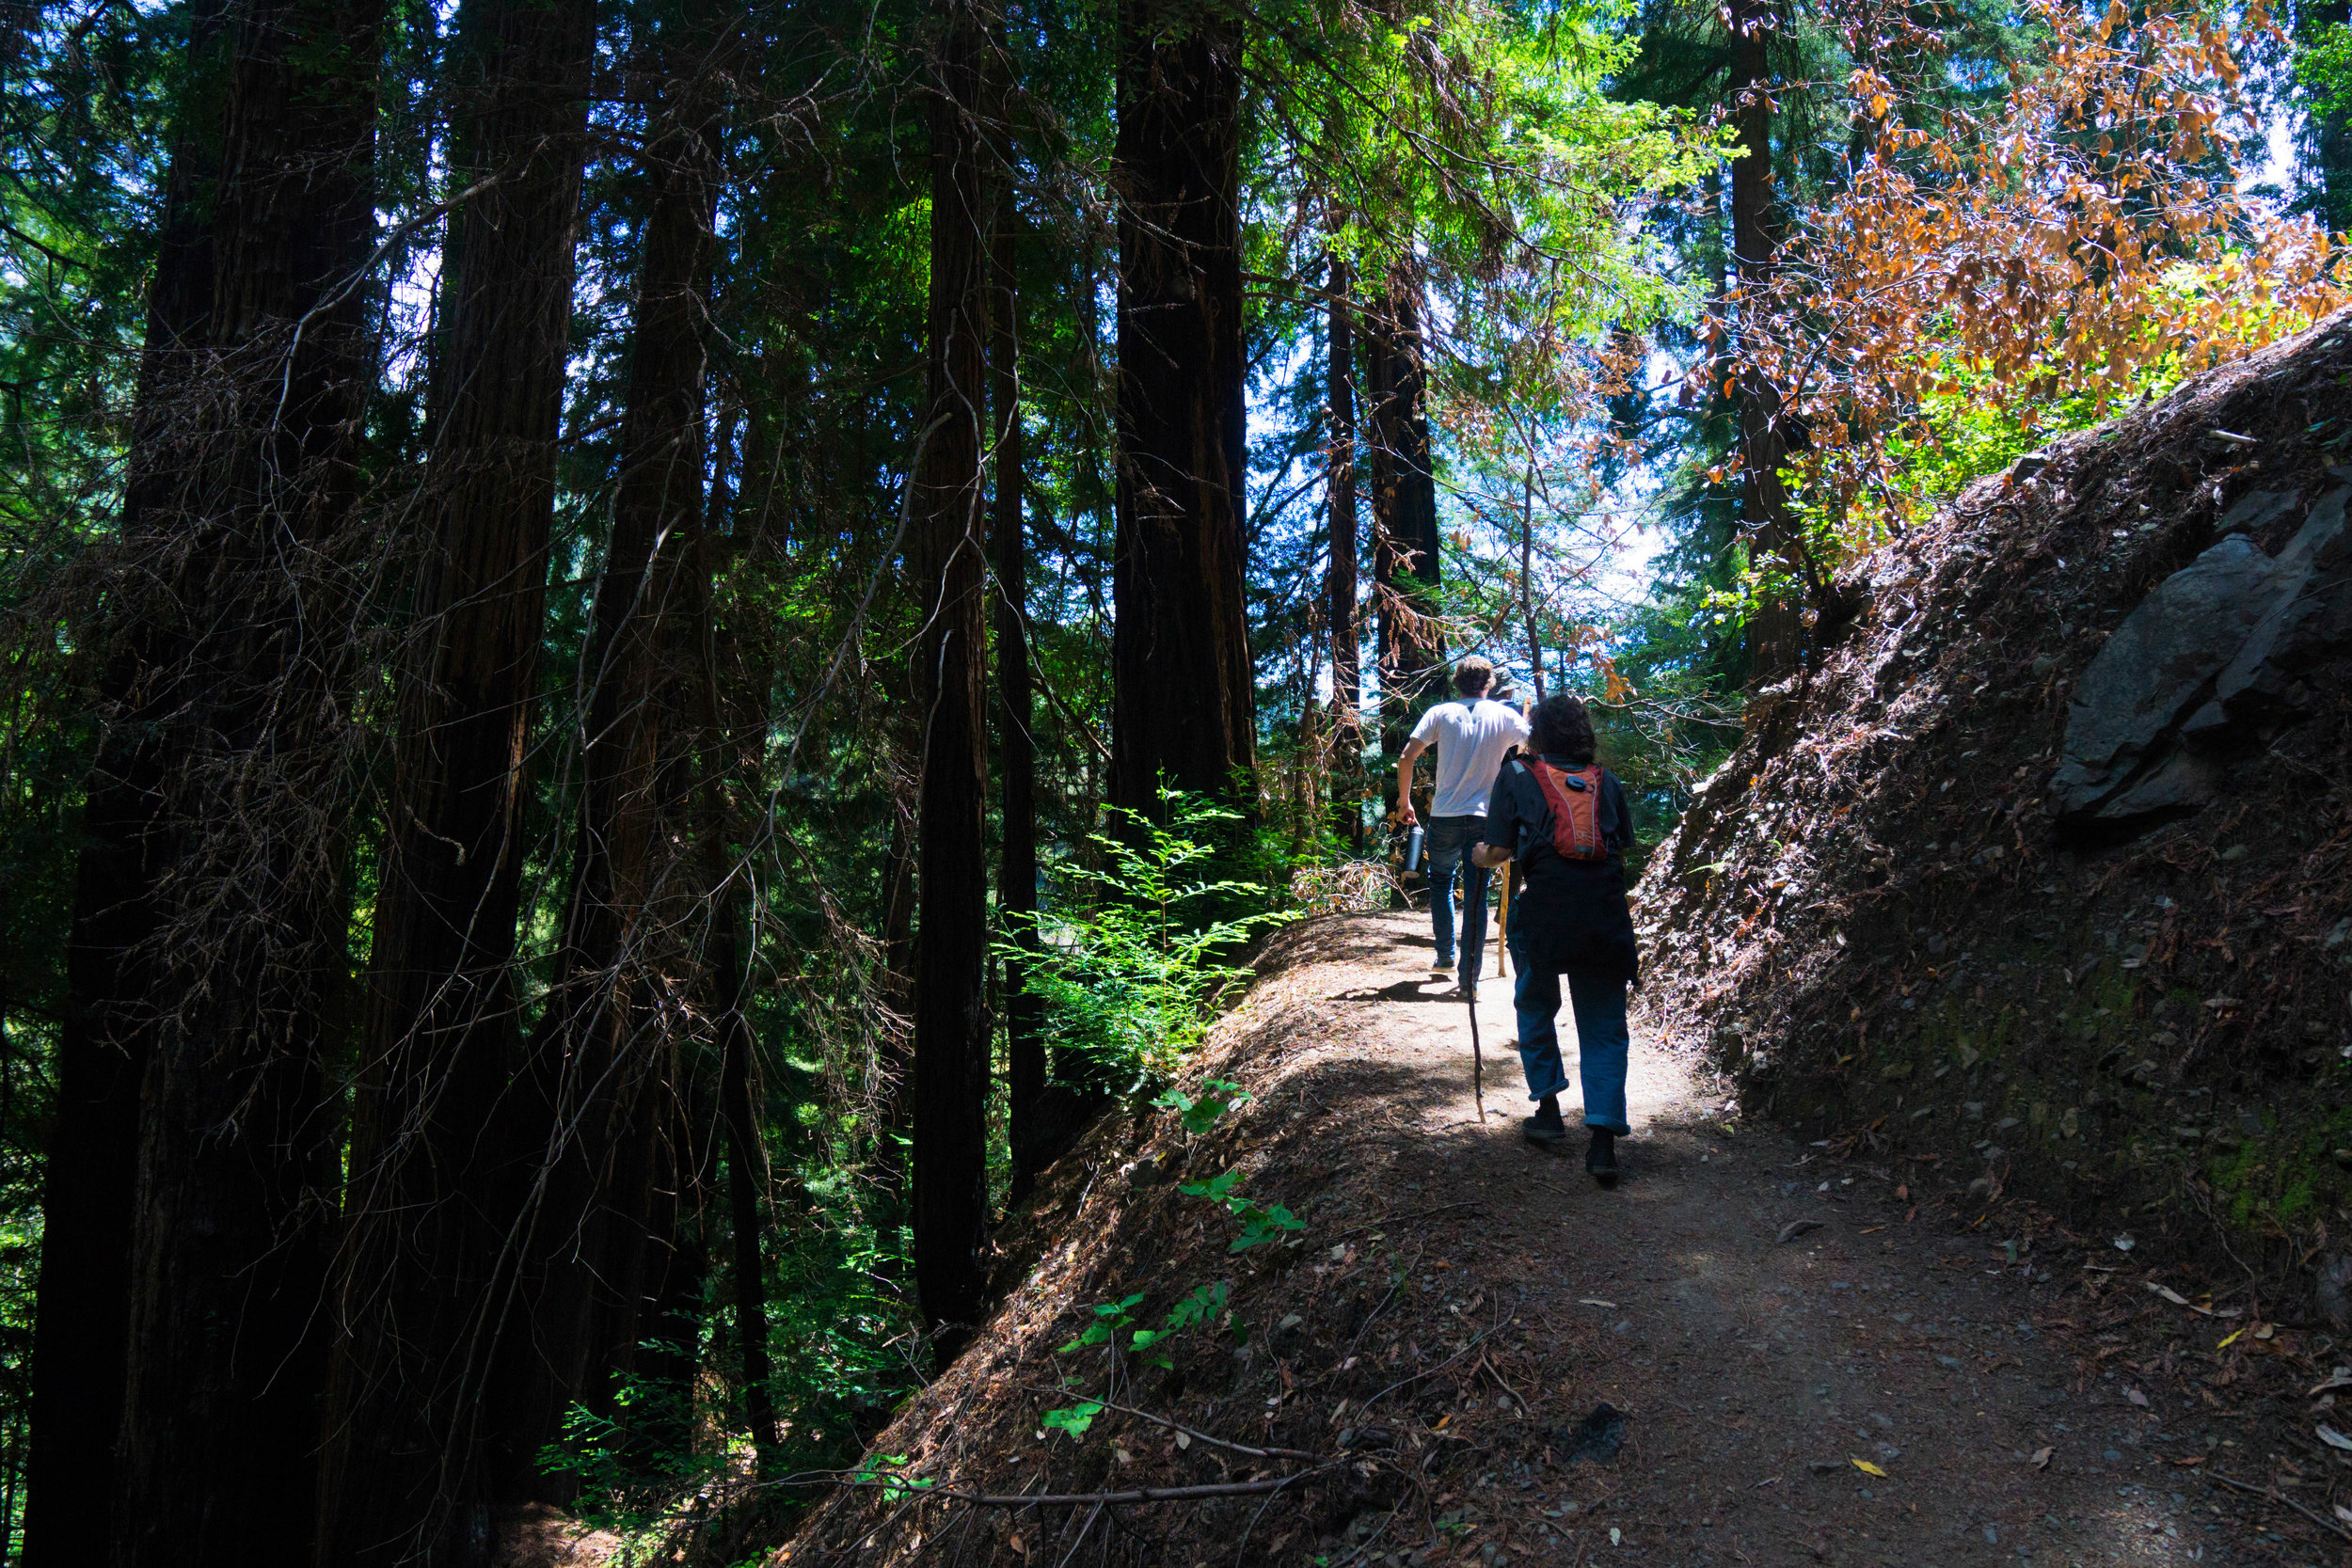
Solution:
(2003, 1406)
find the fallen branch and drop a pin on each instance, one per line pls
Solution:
(1196, 1434)
(1407, 1219)
(1075, 1499)
(2278, 1496)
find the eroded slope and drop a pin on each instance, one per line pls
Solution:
(2042, 881)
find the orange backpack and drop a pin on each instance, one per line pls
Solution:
(1574, 803)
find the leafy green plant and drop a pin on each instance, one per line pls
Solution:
(1074, 1420)
(1260, 1223)
(1218, 1096)
(1132, 956)
(879, 1469)
(628, 1462)
(1115, 1326)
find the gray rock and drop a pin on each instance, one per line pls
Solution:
(2256, 509)
(2217, 645)
(2312, 615)
(2182, 780)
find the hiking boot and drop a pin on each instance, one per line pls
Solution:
(1600, 1157)
(1444, 966)
(1545, 1129)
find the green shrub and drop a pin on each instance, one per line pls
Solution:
(1134, 957)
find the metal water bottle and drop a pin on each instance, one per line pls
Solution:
(1412, 848)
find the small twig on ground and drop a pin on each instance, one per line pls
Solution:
(2278, 1496)
(1241, 1553)
(1083, 1531)
(1369, 1543)
(1430, 1373)
(1496, 1373)
(1354, 1345)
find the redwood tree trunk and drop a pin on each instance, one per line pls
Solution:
(1184, 687)
(220, 1416)
(1016, 746)
(733, 743)
(1404, 507)
(441, 1158)
(82, 1300)
(176, 1373)
(1775, 631)
(951, 1026)
(600, 1068)
(1347, 738)
(81, 1320)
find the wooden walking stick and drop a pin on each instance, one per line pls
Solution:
(1478, 1059)
(1502, 927)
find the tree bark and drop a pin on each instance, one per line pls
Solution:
(229, 1249)
(81, 1321)
(1776, 629)
(603, 1068)
(1184, 687)
(951, 1026)
(442, 1153)
(747, 1180)
(1016, 879)
(82, 1300)
(1404, 506)
(1348, 737)
(176, 1376)
(732, 744)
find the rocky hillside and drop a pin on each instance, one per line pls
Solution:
(2041, 884)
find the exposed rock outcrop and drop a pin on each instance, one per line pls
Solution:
(2209, 659)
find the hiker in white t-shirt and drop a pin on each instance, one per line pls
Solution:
(1471, 736)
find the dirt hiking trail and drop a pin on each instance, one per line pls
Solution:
(1460, 1302)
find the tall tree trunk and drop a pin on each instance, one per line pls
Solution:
(666, 1360)
(1184, 687)
(951, 1026)
(598, 1067)
(1404, 506)
(747, 1180)
(1348, 737)
(1016, 879)
(227, 1349)
(733, 744)
(439, 1167)
(1775, 631)
(82, 1300)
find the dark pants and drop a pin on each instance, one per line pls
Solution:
(1448, 840)
(1602, 1037)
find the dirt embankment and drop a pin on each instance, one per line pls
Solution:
(2042, 882)
(1752, 1352)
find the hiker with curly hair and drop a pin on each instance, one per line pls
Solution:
(1559, 819)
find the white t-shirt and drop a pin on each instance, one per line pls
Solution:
(1471, 738)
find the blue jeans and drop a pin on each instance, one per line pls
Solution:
(1602, 1039)
(1448, 840)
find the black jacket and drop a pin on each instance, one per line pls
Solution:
(1565, 914)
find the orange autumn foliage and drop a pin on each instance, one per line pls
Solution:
(2085, 235)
